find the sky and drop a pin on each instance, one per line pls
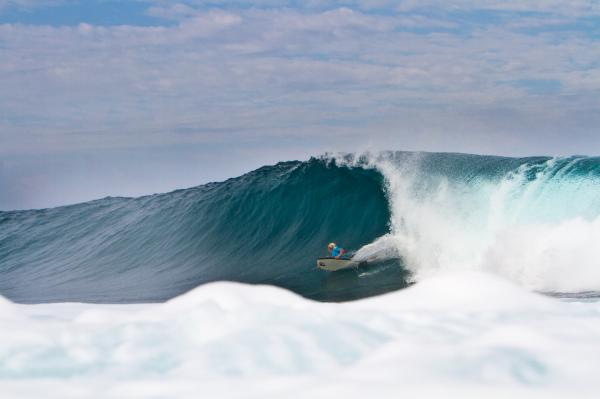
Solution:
(104, 97)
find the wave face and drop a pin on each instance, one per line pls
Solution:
(533, 220)
(267, 226)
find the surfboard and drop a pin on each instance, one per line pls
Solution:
(333, 264)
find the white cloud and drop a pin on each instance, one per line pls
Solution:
(571, 7)
(275, 74)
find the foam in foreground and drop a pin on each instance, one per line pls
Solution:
(461, 334)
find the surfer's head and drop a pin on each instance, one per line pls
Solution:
(331, 246)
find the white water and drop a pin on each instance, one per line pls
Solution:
(455, 335)
(541, 232)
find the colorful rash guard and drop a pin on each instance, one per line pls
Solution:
(335, 251)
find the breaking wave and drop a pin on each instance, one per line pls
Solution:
(534, 220)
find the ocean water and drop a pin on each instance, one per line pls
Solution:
(485, 283)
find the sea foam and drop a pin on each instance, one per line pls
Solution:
(461, 334)
(537, 223)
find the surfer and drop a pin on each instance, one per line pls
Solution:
(335, 251)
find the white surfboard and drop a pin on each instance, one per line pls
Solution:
(333, 264)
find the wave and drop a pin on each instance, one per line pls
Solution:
(534, 220)
(266, 227)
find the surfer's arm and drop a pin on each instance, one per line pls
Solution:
(342, 251)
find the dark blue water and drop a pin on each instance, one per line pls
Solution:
(267, 227)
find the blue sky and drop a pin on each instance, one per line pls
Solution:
(131, 97)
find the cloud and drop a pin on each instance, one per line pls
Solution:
(412, 80)
(558, 7)
(572, 8)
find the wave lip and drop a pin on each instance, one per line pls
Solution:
(533, 220)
